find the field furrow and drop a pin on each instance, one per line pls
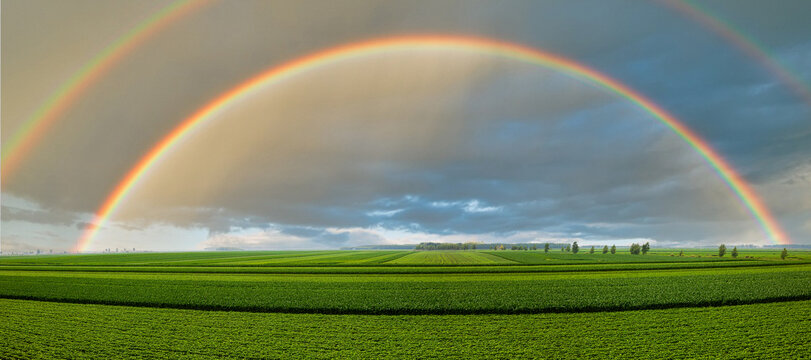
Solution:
(54, 330)
(418, 294)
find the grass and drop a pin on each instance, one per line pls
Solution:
(317, 259)
(418, 294)
(553, 257)
(385, 258)
(400, 269)
(429, 304)
(53, 330)
(450, 258)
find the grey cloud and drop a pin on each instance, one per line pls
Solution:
(374, 142)
(39, 216)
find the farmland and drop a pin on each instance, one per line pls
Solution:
(375, 303)
(778, 330)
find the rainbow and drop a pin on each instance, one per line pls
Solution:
(746, 44)
(60, 100)
(276, 74)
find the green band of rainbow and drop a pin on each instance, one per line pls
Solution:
(46, 114)
(522, 53)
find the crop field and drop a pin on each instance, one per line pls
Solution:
(450, 258)
(373, 304)
(53, 330)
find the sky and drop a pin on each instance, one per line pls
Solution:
(400, 147)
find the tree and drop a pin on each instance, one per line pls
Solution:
(534, 247)
(681, 253)
(546, 248)
(592, 250)
(605, 249)
(735, 252)
(783, 254)
(722, 250)
(613, 249)
(645, 248)
(575, 247)
(635, 249)
(568, 248)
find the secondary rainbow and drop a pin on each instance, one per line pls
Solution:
(276, 74)
(60, 100)
(745, 43)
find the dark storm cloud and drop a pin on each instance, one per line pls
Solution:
(501, 186)
(730, 98)
(39, 216)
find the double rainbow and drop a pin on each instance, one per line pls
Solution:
(522, 53)
(36, 125)
(746, 44)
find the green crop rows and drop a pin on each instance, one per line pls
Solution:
(53, 330)
(379, 303)
(404, 269)
(372, 258)
(450, 258)
(417, 294)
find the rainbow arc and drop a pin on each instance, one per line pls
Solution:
(744, 43)
(37, 125)
(277, 74)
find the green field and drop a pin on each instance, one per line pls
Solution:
(450, 258)
(387, 258)
(373, 304)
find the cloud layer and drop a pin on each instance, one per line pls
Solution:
(423, 144)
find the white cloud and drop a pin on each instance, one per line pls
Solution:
(257, 239)
(472, 206)
(384, 213)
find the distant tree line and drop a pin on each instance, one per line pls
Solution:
(574, 248)
(722, 250)
(525, 246)
(636, 249)
(446, 246)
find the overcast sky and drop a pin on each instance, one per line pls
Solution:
(404, 147)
